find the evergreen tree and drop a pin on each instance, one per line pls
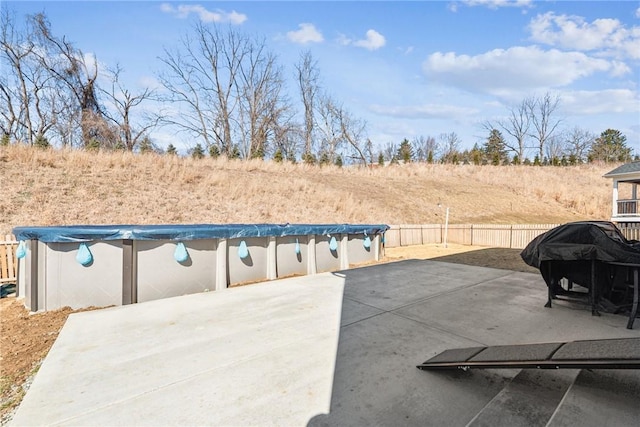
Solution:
(258, 153)
(235, 152)
(214, 151)
(171, 150)
(338, 161)
(324, 159)
(308, 158)
(4, 141)
(610, 146)
(278, 157)
(41, 142)
(405, 151)
(146, 146)
(476, 155)
(92, 145)
(381, 159)
(292, 157)
(197, 152)
(494, 148)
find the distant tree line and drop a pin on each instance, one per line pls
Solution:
(226, 92)
(572, 148)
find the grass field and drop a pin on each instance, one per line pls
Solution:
(63, 187)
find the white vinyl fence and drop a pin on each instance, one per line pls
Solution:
(516, 236)
(631, 230)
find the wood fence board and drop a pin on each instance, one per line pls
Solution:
(4, 268)
(490, 235)
(631, 230)
(8, 261)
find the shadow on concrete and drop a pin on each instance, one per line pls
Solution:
(504, 258)
(397, 315)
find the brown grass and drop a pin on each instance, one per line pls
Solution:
(63, 187)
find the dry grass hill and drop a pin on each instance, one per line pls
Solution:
(63, 187)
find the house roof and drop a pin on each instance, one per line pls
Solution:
(627, 168)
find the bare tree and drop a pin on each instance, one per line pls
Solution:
(353, 132)
(555, 149)
(308, 76)
(21, 84)
(340, 128)
(369, 150)
(390, 151)
(328, 125)
(517, 126)
(262, 105)
(124, 103)
(288, 137)
(75, 73)
(425, 148)
(578, 144)
(450, 143)
(542, 115)
(228, 90)
(202, 82)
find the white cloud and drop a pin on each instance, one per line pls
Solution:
(374, 40)
(150, 82)
(219, 16)
(495, 4)
(600, 102)
(425, 111)
(638, 12)
(517, 69)
(572, 32)
(306, 34)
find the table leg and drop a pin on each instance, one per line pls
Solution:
(593, 290)
(634, 307)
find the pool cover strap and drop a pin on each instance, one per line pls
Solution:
(88, 233)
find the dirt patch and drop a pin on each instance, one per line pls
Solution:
(25, 339)
(506, 259)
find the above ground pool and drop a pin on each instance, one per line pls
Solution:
(102, 265)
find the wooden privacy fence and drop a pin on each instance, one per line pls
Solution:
(8, 261)
(631, 230)
(516, 236)
(497, 236)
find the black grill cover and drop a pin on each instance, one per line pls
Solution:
(582, 241)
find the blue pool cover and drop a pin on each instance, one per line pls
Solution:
(88, 233)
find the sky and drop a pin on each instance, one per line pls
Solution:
(408, 69)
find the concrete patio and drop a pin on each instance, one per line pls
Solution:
(330, 349)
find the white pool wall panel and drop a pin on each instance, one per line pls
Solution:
(288, 261)
(251, 268)
(327, 259)
(159, 275)
(136, 264)
(98, 284)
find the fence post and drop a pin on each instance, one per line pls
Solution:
(511, 237)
